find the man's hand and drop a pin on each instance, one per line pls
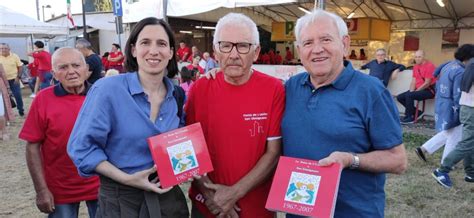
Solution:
(225, 197)
(211, 74)
(45, 201)
(17, 80)
(140, 180)
(343, 158)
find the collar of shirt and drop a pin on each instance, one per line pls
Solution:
(59, 90)
(340, 82)
(135, 88)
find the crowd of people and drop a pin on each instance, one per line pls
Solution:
(86, 136)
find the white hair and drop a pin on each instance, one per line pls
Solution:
(60, 51)
(307, 19)
(237, 19)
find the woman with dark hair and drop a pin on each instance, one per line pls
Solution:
(119, 114)
(115, 58)
(105, 61)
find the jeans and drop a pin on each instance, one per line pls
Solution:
(465, 148)
(407, 99)
(72, 210)
(32, 84)
(45, 80)
(16, 90)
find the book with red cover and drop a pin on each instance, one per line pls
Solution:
(180, 154)
(304, 188)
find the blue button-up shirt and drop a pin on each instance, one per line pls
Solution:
(210, 64)
(383, 70)
(354, 113)
(114, 124)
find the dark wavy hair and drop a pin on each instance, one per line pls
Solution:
(39, 44)
(131, 64)
(464, 52)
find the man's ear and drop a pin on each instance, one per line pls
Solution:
(257, 52)
(346, 42)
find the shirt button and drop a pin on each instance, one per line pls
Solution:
(161, 118)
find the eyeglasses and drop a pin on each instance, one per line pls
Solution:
(242, 47)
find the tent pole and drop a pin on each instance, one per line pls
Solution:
(319, 4)
(165, 10)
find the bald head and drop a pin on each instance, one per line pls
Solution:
(419, 57)
(69, 52)
(70, 69)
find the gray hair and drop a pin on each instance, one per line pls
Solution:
(60, 51)
(307, 19)
(238, 20)
(83, 43)
(382, 50)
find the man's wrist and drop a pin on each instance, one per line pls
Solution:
(355, 162)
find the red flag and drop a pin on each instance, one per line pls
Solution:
(69, 14)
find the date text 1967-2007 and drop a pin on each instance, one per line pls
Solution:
(297, 207)
(186, 175)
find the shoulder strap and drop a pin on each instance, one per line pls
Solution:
(179, 96)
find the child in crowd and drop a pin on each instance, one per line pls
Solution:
(186, 79)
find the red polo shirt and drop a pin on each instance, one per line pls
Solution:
(50, 121)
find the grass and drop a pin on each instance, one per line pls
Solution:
(416, 193)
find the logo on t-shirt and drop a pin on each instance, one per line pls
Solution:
(255, 119)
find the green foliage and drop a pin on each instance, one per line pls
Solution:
(103, 5)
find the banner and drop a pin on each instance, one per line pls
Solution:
(450, 38)
(283, 31)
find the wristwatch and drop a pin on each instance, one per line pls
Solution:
(355, 161)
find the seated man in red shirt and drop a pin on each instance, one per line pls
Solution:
(289, 56)
(240, 112)
(421, 87)
(59, 188)
(183, 52)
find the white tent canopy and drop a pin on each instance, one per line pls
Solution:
(14, 24)
(135, 11)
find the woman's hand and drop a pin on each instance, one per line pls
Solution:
(140, 180)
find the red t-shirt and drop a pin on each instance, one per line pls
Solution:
(43, 61)
(422, 72)
(33, 69)
(199, 68)
(50, 122)
(183, 53)
(114, 55)
(278, 59)
(289, 55)
(265, 59)
(237, 121)
(105, 63)
(271, 54)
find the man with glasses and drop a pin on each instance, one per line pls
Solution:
(382, 68)
(240, 112)
(12, 66)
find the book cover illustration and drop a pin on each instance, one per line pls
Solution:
(302, 188)
(180, 154)
(182, 157)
